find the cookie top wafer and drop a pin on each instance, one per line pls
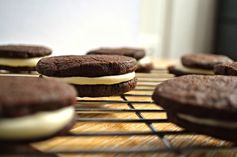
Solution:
(204, 61)
(23, 51)
(136, 53)
(86, 65)
(21, 96)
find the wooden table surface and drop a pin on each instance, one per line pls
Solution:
(82, 144)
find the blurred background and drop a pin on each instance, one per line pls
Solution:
(166, 28)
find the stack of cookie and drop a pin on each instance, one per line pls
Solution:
(202, 64)
(33, 109)
(202, 104)
(21, 58)
(92, 75)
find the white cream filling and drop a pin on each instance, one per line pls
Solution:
(144, 61)
(105, 80)
(36, 125)
(20, 62)
(194, 70)
(209, 122)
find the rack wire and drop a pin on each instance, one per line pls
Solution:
(140, 126)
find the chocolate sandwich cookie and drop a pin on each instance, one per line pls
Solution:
(198, 64)
(202, 104)
(92, 75)
(226, 69)
(18, 58)
(28, 106)
(144, 63)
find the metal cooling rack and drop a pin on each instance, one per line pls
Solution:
(146, 83)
